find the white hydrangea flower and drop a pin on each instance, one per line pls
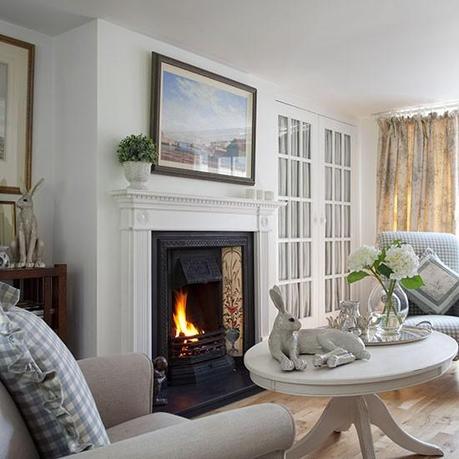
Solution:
(363, 257)
(402, 261)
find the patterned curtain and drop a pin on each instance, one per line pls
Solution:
(417, 173)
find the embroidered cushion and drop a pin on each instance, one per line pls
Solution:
(441, 285)
(46, 383)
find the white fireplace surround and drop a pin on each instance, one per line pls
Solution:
(142, 212)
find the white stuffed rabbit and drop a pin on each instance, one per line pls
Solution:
(286, 346)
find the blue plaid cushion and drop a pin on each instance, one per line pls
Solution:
(445, 245)
(46, 383)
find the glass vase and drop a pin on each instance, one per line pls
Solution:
(388, 308)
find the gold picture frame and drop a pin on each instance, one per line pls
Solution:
(17, 60)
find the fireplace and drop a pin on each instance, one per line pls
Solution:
(143, 315)
(197, 343)
(203, 314)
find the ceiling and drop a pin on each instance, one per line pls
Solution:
(359, 56)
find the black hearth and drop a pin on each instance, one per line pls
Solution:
(203, 316)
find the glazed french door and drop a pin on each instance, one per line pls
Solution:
(315, 228)
(297, 233)
(340, 217)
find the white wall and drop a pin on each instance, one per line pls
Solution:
(76, 178)
(64, 152)
(102, 93)
(42, 140)
(124, 72)
(92, 87)
(105, 71)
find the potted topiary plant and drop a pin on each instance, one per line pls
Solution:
(137, 153)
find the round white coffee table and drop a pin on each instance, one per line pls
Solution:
(353, 389)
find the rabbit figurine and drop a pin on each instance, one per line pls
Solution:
(26, 250)
(286, 346)
(283, 342)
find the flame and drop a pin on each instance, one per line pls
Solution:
(182, 326)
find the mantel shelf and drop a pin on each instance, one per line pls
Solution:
(144, 198)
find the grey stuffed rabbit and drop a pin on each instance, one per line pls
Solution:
(286, 346)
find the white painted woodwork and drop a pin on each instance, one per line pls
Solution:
(312, 283)
(142, 212)
(353, 388)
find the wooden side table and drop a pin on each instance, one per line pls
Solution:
(45, 288)
(353, 389)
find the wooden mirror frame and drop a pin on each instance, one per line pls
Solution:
(29, 115)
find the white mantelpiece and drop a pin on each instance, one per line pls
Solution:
(142, 212)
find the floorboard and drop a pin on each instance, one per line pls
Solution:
(429, 411)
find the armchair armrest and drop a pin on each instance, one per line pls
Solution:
(265, 430)
(122, 386)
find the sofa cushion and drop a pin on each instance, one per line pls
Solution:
(46, 383)
(143, 424)
(449, 325)
(15, 439)
(445, 245)
(441, 285)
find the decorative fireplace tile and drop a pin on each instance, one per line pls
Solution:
(233, 314)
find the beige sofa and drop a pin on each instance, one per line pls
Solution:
(122, 389)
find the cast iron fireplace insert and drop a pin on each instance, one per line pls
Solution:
(203, 316)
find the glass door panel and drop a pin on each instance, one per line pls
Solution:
(306, 133)
(337, 210)
(295, 226)
(283, 135)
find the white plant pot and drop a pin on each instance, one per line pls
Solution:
(137, 174)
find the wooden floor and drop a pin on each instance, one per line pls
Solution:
(429, 412)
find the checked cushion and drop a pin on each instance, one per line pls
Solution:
(46, 383)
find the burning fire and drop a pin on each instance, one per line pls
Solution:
(182, 326)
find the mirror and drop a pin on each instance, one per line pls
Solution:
(7, 222)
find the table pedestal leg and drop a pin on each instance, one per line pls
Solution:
(380, 417)
(361, 421)
(362, 411)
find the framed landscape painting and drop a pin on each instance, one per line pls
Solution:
(16, 95)
(203, 124)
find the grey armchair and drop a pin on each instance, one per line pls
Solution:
(122, 389)
(446, 246)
